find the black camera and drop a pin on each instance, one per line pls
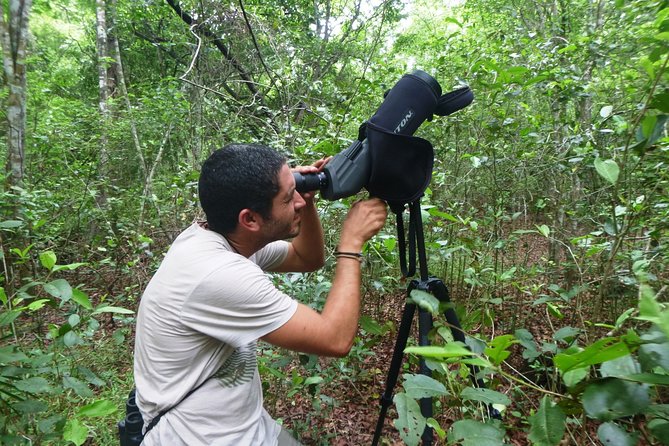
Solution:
(386, 159)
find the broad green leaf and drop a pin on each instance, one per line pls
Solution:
(649, 378)
(75, 432)
(498, 350)
(453, 350)
(30, 406)
(410, 422)
(612, 398)
(71, 338)
(566, 333)
(8, 317)
(575, 376)
(607, 169)
(422, 386)
(620, 367)
(547, 426)
(47, 259)
(10, 224)
(9, 354)
(35, 384)
(99, 408)
(602, 350)
(425, 300)
(611, 434)
(3, 296)
(650, 309)
(81, 298)
(475, 433)
(79, 387)
(662, 36)
(59, 288)
(486, 396)
(110, 309)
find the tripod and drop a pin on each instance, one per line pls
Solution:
(430, 285)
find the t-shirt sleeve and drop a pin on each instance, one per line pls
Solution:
(272, 255)
(237, 304)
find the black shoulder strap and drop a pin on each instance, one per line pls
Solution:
(157, 418)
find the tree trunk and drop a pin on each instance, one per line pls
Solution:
(14, 35)
(103, 86)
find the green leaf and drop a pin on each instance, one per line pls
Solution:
(410, 422)
(452, 350)
(620, 367)
(486, 396)
(475, 433)
(36, 305)
(3, 296)
(425, 300)
(612, 398)
(422, 386)
(35, 384)
(75, 432)
(660, 430)
(575, 376)
(30, 406)
(59, 288)
(547, 426)
(109, 309)
(99, 408)
(434, 424)
(607, 169)
(79, 387)
(69, 267)
(9, 354)
(611, 434)
(498, 350)
(10, 224)
(81, 298)
(313, 380)
(47, 259)
(602, 350)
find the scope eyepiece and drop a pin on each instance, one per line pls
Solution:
(310, 181)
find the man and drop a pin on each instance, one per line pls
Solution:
(210, 301)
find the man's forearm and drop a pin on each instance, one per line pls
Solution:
(309, 244)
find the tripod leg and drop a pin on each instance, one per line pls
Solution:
(424, 327)
(395, 364)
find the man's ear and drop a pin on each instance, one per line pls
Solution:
(249, 220)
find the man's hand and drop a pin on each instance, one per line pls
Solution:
(314, 168)
(364, 220)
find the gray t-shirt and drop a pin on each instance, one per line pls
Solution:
(200, 317)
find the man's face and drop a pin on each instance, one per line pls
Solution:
(284, 221)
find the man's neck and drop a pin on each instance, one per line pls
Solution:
(243, 245)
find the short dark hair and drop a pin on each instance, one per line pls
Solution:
(237, 177)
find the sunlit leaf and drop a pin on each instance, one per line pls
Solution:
(607, 169)
(611, 434)
(99, 408)
(75, 431)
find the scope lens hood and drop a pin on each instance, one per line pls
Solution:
(431, 82)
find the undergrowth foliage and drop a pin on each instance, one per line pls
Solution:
(546, 215)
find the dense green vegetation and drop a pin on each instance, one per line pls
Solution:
(547, 215)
